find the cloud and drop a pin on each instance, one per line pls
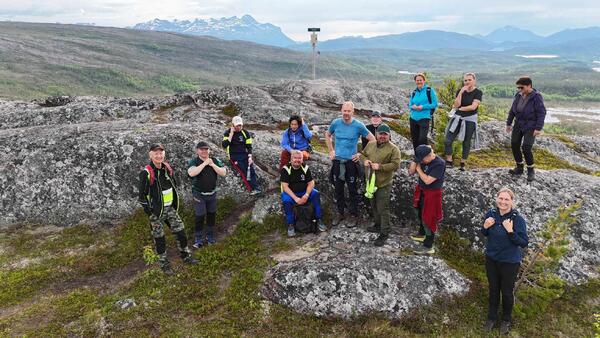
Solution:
(336, 17)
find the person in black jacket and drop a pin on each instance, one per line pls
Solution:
(506, 234)
(528, 112)
(204, 170)
(238, 144)
(375, 122)
(159, 197)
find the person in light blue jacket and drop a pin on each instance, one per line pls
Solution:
(296, 137)
(422, 104)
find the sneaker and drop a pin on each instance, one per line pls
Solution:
(374, 229)
(418, 238)
(337, 219)
(530, 174)
(462, 166)
(424, 251)
(518, 170)
(380, 241)
(255, 192)
(449, 164)
(190, 260)
(210, 239)
(166, 268)
(291, 232)
(489, 325)
(505, 327)
(322, 226)
(198, 244)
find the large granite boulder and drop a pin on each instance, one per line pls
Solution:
(347, 276)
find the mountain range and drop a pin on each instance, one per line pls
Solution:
(584, 41)
(232, 28)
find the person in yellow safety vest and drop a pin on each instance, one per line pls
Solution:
(159, 197)
(238, 144)
(381, 159)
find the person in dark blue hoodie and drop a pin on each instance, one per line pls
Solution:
(506, 236)
(528, 112)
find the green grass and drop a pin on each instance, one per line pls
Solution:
(220, 297)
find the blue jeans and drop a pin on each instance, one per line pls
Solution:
(288, 204)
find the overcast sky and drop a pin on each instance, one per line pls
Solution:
(335, 18)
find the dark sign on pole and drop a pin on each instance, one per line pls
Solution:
(314, 29)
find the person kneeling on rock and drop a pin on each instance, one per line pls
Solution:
(298, 188)
(427, 198)
(381, 158)
(159, 197)
(204, 171)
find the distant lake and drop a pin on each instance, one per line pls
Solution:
(538, 56)
(585, 115)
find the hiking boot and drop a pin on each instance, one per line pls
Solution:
(210, 238)
(322, 227)
(489, 325)
(255, 192)
(530, 174)
(198, 243)
(424, 251)
(351, 221)
(505, 327)
(462, 166)
(449, 164)
(190, 260)
(518, 170)
(167, 270)
(418, 238)
(337, 219)
(291, 232)
(380, 241)
(374, 229)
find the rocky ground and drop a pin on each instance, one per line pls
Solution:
(72, 161)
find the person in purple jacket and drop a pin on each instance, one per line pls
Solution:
(506, 234)
(528, 112)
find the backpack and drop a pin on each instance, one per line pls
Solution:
(150, 171)
(430, 101)
(305, 220)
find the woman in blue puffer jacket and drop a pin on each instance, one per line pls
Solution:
(506, 234)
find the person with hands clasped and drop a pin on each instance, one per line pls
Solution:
(506, 235)
(238, 143)
(204, 170)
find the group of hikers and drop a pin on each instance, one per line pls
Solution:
(375, 164)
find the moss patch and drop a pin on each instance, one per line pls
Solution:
(502, 157)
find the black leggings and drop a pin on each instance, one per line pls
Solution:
(527, 139)
(501, 278)
(418, 131)
(466, 144)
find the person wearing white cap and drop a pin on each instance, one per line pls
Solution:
(238, 143)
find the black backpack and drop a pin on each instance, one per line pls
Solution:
(305, 220)
(428, 99)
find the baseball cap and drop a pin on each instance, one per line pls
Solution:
(375, 113)
(421, 152)
(202, 145)
(237, 120)
(383, 128)
(156, 146)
